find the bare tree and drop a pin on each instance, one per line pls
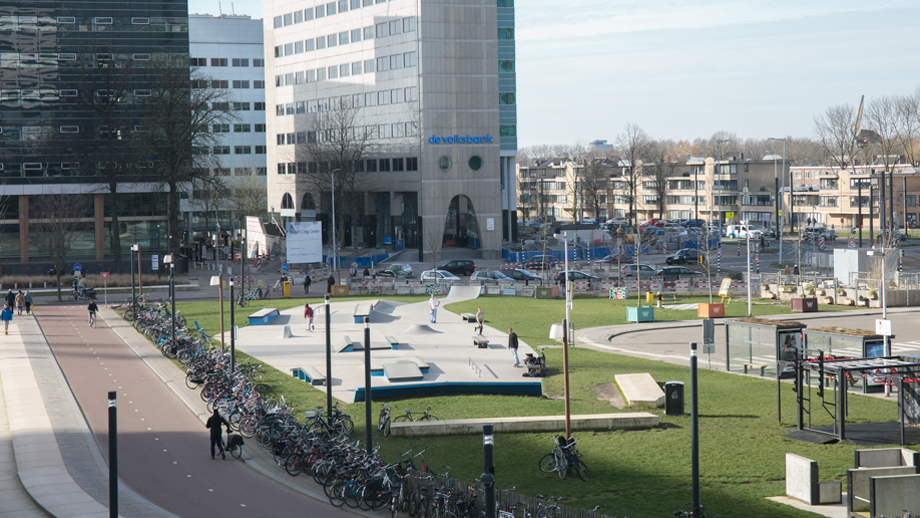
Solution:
(247, 197)
(661, 154)
(55, 222)
(882, 118)
(596, 183)
(632, 148)
(181, 110)
(909, 122)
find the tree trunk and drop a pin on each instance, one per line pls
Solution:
(172, 214)
(115, 238)
(60, 270)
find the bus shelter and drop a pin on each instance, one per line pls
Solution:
(760, 344)
(841, 373)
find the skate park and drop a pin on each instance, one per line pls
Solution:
(410, 355)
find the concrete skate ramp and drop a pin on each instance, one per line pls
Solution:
(416, 329)
(387, 306)
(459, 293)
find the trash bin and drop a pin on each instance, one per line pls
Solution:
(286, 287)
(649, 297)
(674, 398)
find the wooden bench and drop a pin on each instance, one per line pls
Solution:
(753, 366)
(263, 316)
(344, 345)
(394, 343)
(672, 298)
(309, 374)
(469, 317)
(480, 342)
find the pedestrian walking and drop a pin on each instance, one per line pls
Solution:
(354, 269)
(213, 424)
(307, 281)
(6, 316)
(329, 283)
(480, 319)
(433, 304)
(513, 345)
(367, 271)
(10, 299)
(28, 298)
(20, 303)
(308, 314)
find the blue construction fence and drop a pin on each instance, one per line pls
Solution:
(695, 245)
(369, 261)
(575, 254)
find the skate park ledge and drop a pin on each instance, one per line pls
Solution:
(632, 420)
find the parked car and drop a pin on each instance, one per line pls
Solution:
(459, 267)
(686, 255)
(533, 224)
(575, 275)
(672, 227)
(541, 262)
(519, 274)
(617, 221)
(589, 221)
(673, 273)
(438, 276)
(395, 270)
(630, 270)
(491, 276)
(815, 232)
(613, 259)
(694, 223)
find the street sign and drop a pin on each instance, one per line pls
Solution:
(730, 215)
(709, 331)
(154, 262)
(851, 243)
(882, 327)
(77, 267)
(105, 275)
(284, 267)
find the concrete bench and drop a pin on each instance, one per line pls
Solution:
(396, 372)
(480, 342)
(753, 366)
(344, 345)
(263, 316)
(859, 487)
(394, 343)
(802, 482)
(363, 310)
(886, 458)
(310, 374)
(377, 364)
(468, 317)
(892, 495)
(640, 389)
(529, 424)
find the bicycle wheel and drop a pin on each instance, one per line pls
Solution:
(337, 494)
(352, 494)
(293, 464)
(191, 382)
(428, 418)
(267, 294)
(386, 428)
(581, 470)
(236, 452)
(243, 302)
(562, 466)
(548, 463)
(401, 418)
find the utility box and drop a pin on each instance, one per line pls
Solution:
(674, 398)
(286, 289)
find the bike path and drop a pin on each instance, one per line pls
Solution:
(163, 446)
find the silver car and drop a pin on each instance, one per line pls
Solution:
(438, 276)
(494, 276)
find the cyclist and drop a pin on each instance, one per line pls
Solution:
(92, 308)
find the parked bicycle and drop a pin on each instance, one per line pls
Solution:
(426, 416)
(564, 459)
(689, 514)
(383, 421)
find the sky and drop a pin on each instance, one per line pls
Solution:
(683, 69)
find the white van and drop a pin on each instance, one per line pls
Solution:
(742, 231)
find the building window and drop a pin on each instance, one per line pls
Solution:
(278, 23)
(332, 40)
(320, 43)
(333, 72)
(412, 164)
(396, 62)
(371, 166)
(258, 85)
(355, 35)
(506, 33)
(221, 150)
(308, 14)
(395, 27)
(383, 64)
(343, 38)
(258, 62)
(369, 33)
(242, 150)
(505, 66)
(282, 168)
(320, 11)
(259, 107)
(288, 19)
(241, 128)
(409, 59)
(279, 139)
(410, 93)
(384, 165)
(220, 128)
(507, 130)
(330, 8)
(507, 98)
(383, 97)
(240, 84)
(300, 107)
(381, 31)
(298, 16)
(298, 47)
(475, 163)
(102, 20)
(370, 99)
(291, 139)
(260, 150)
(258, 128)
(289, 109)
(408, 24)
(398, 164)
(301, 137)
(368, 66)
(356, 68)
(218, 62)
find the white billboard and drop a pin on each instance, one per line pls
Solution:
(304, 242)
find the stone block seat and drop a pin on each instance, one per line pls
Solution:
(640, 389)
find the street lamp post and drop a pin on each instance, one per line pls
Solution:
(779, 195)
(134, 248)
(881, 251)
(335, 260)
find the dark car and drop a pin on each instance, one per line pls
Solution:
(693, 223)
(522, 275)
(459, 267)
(686, 255)
(541, 262)
(673, 273)
(575, 275)
(896, 237)
(613, 259)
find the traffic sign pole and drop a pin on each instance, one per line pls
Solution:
(105, 292)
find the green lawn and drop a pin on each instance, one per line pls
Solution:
(642, 473)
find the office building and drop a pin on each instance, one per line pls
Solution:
(424, 96)
(47, 50)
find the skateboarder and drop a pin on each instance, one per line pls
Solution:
(433, 304)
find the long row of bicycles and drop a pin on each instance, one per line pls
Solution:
(317, 443)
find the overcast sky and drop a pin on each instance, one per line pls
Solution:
(683, 69)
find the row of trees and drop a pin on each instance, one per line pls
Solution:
(163, 138)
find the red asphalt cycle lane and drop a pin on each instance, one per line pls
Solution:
(163, 448)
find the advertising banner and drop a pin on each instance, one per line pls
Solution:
(304, 242)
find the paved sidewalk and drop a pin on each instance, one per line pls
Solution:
(56, 458)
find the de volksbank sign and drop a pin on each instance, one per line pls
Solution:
(457, 139)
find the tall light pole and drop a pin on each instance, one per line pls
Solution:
(719, 169)
(779, 195)
(335, 261)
